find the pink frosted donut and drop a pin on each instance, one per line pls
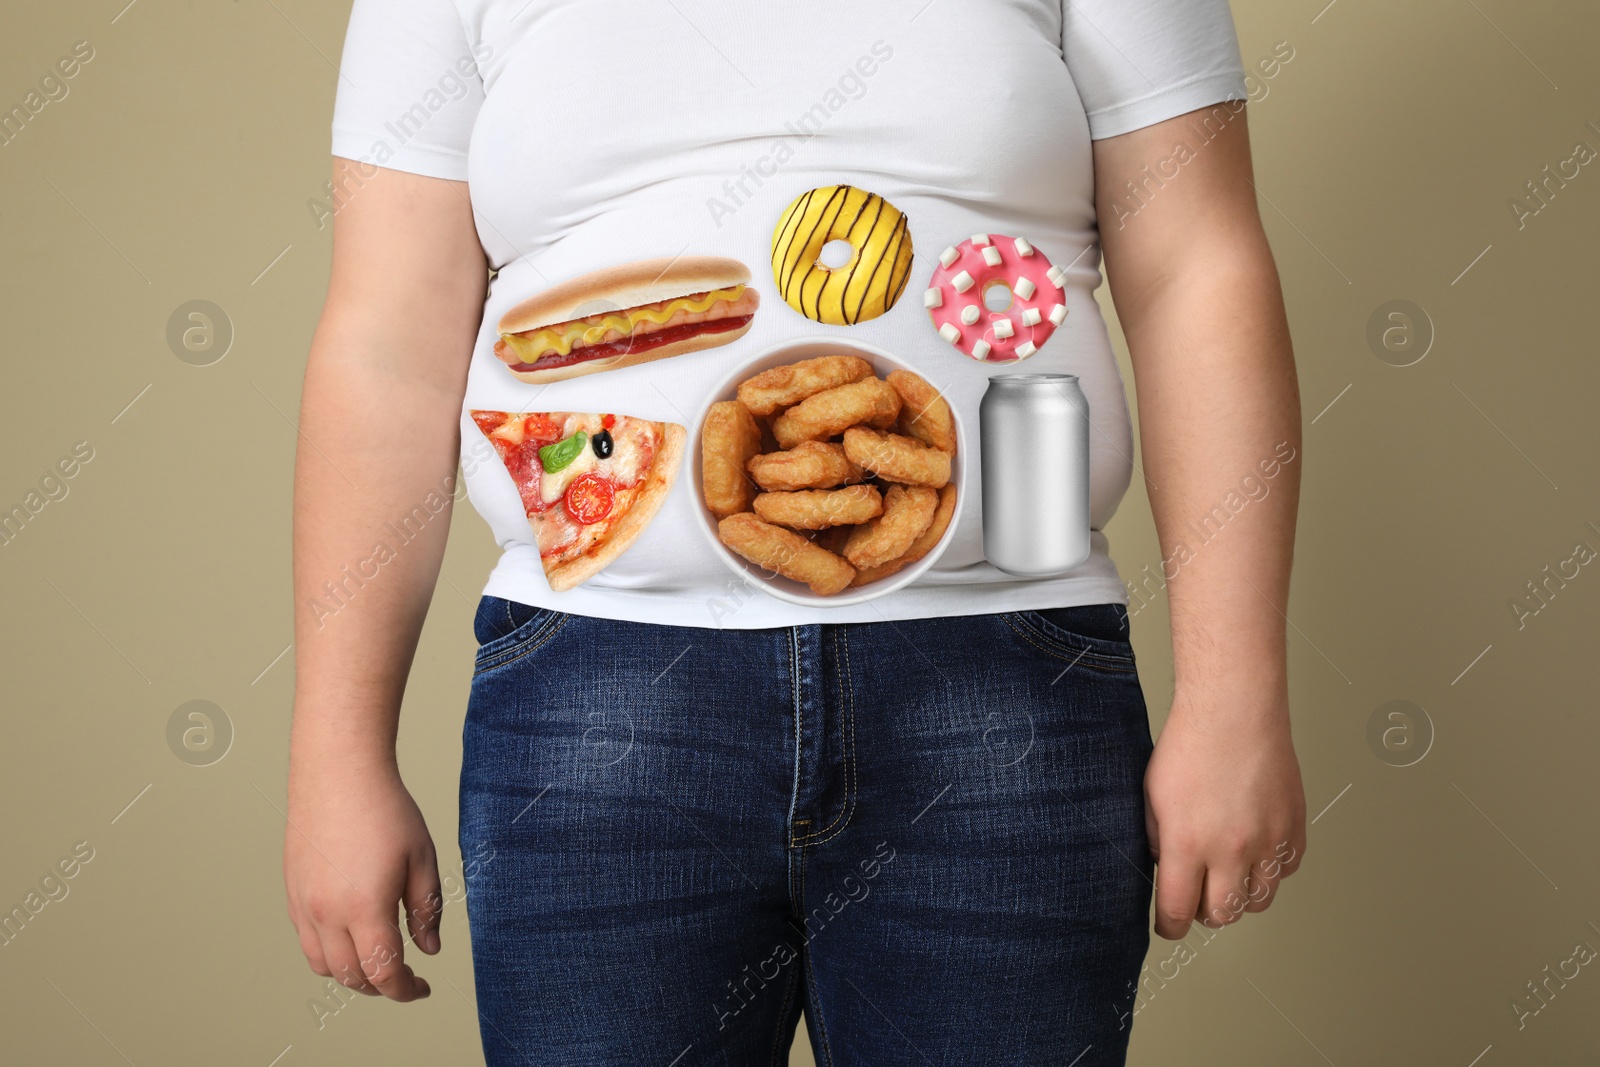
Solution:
(955, 298)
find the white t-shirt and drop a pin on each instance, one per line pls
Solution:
(599, 132)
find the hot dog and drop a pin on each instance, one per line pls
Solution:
(626, 315)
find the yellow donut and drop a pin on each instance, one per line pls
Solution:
(880, 262)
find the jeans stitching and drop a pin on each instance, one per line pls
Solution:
(508, 641)
(500, 646)
(811, 974)
(536, 640)
(794, 892)
(1090, 659)
(1045, 630)
(844, 806)
(847, 738)
(799, 731)
(541, 633)
(783, 1015)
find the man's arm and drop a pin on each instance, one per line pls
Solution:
(379, 436)
(1197, 293)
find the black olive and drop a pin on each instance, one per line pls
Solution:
(602, 443)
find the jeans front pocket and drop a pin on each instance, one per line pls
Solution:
(1092, 635)
(507, 630)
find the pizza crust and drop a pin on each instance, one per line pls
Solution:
(651, 494)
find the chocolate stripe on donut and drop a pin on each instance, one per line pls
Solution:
(883, 259)
(835, 195)
(905, 277)
(892, 291)
(873, 229)
(799, 217)
(855, 266)
(834, 228)
(781, 259)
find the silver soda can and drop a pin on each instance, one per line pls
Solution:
(1034, 430)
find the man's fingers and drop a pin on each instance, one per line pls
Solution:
(1260, 890)
(1289, 856)
(1230, 892)
(1178, 885)
(344, 964)
(383, 962)
(311, 945)
(1224, 901)
(1152, 832)
(1261, 886)
(423, 903)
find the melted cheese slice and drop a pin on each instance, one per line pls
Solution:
(553, 487)
(563, 337)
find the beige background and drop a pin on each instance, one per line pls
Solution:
(178, 168)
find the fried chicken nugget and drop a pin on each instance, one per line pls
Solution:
(786, 552)
(895, 458)
(907, 512)
(924, 414)
(832, 538)
(729, 439)
(921, 546)
(808, 465)
(782, 386)
(872, 401)
(813, 509)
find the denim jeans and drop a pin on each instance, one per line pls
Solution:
(928, 836)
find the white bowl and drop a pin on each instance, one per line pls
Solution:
(784, 588)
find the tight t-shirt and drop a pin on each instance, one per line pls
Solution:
(595, 133)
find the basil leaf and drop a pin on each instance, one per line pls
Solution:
(560, 455)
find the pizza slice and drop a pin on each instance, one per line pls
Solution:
(589, 483)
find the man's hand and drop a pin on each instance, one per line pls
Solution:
(1225, 813)
(404, 302)
(1219, 424)
(355, 850)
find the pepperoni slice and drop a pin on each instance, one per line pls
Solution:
(589, 498)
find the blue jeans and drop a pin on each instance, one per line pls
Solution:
(928, 836)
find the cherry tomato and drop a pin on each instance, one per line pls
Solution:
(589, 498)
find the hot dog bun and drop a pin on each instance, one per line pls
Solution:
(626, 315)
